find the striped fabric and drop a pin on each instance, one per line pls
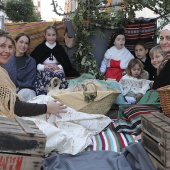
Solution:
(110, 140)
(36, 31)
(143, 30)
(131, 122)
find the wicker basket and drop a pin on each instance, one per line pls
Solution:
(164, 96)
(102, 106)
(93, 107)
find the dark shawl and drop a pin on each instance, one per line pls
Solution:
(42, 52)
(149, 68)
(163, 74)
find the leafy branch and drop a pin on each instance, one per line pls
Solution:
(96, 14)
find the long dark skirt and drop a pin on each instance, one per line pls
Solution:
(43, 79)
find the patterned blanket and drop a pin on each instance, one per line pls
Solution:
(131, 120)
(36, 31)
(142, 29)
(111, 140)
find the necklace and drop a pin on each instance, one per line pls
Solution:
(51, 57)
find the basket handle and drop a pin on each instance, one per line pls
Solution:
(88, 95)
(52, 82)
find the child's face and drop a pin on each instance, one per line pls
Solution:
(136, 71)
(119, 42)
(156, 59)
(50, 36)
(140, 52)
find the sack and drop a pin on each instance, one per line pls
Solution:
(53, 89)
(69, 41)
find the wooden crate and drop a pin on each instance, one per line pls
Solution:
(22, 144)
(156, 139)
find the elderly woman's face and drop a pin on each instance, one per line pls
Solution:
(165, 40)
(6, 50)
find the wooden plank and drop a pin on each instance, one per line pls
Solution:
(16, 131)
(24, 126)
(10, 126)
(30, 122)
(19, 162)
(8, 122)
(156, 163)
(158, 130)
(39, 133)
(162, 117)
(19, 131)
(12, 131)
(7, 119)
(156, 150)
(25, 145)
(152, 130)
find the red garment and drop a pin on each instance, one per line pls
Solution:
(114, 71)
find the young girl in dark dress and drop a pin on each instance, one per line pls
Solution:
(52, 61)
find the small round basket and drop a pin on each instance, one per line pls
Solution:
(164, 96)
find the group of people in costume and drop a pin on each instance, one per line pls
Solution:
(32, 73)
(25, 76)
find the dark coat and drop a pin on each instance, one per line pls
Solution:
(149, 68)
(42, 52)
(163, 78)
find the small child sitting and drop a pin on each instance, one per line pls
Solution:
(116, 58)
(134, 84)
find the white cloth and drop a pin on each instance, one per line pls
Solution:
(51, 46)
(123, 55)
(26, 94)
(71, 134)
(134, 85)
(130, 99)
(166, 27)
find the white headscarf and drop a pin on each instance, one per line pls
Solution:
(166, 27)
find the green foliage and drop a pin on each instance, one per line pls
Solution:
(34, 17)
(2, 5)
(20, 10)
(91, 15)
(86, 19)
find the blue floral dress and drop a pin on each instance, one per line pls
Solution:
(43, 79)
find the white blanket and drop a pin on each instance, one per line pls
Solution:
(72, 133)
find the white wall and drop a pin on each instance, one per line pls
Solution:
(145, 13)
(47, 10)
